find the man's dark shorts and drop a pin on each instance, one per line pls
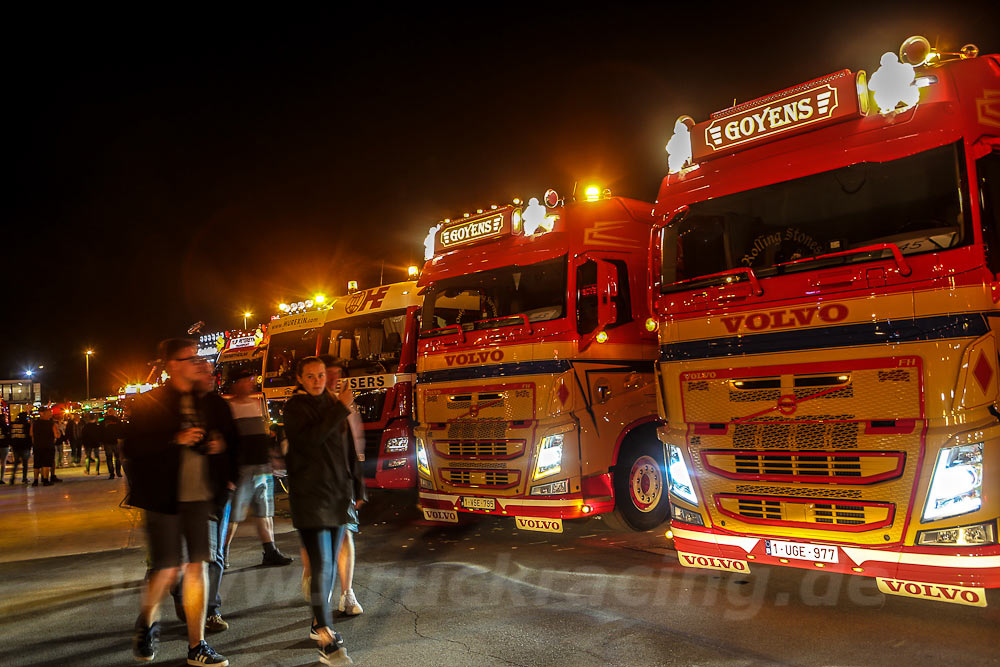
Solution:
(167, 533)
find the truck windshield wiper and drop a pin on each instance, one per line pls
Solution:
(721, 278)
(804, 263)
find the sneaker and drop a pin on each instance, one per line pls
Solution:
(314, 632)
(45, 483)
(3, 482)
(349, 604)
(335, 653)
(275, 559)
(147, 639)
(214, 623)
(111, 476)
(203, 654)
(55, 479)
(35, 483)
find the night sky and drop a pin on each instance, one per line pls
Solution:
(169, 168)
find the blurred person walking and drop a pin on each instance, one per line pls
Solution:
(255, 485)
(112, 434)
(44, 434)
(222, 475)
(168, 446)
(74, 431)
(58, 449)
(324, 478)
(20, 445)
(91, 439)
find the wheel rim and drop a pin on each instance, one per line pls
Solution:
(645, 484)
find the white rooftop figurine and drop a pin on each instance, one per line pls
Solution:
(429, 241)
(533, 216)
(893, 83)
(679, 147)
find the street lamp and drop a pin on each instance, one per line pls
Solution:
(87, 357)
(246, 314)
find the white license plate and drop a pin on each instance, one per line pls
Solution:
(479, 503)
(813, 552)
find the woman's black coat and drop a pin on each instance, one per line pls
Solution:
(324, 475)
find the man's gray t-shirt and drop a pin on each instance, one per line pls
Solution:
(192, 483)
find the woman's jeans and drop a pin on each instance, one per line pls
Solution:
(323, 546)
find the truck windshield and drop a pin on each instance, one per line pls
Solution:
(497, 298)
(283, 353)
(225, 369)
(370, 344)
(917, 203)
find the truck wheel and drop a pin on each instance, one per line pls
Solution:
(640, 482)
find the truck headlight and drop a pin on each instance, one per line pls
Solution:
(549, 456)
(422, 463)
(397, 444)
(680, 478)
(957, 483)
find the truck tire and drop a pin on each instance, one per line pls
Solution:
(640, 482)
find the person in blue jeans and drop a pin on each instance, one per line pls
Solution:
(324, 479)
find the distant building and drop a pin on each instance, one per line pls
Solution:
(21, 394)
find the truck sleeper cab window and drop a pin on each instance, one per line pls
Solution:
(369, 344)
(916, 202)
(283, 353)
(496, 298)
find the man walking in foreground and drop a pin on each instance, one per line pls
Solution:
(167, 447)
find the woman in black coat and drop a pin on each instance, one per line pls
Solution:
(324, 478)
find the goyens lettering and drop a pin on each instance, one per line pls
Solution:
(471, 231)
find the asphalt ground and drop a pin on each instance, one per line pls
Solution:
(479, 593)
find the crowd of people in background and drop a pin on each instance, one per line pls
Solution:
(47, 442)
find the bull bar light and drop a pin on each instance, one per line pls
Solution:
(549, 456)
(957, 483)
(680, 479)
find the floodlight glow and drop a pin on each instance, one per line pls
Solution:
(592, 193)
(412, 271)
(892, 84)
(319, 298)
(679, 146)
